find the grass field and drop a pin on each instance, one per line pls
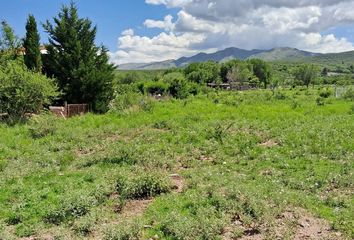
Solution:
(226, 165)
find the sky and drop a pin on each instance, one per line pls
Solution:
(157, 30)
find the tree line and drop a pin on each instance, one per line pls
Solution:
(182, 82)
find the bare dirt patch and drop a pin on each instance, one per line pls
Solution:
(296, 224)
(46, 236)
(269, 143)
(310, 227)
(135, 208)
(177, 183)
(204, 158)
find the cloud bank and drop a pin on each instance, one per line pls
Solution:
(210, 25)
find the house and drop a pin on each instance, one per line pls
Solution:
(22, 51)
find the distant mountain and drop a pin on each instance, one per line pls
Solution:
(275, 54)
(220, 56)
(148, 66)
(283, 54)
(333, 58)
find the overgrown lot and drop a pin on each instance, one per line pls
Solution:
(224, 165)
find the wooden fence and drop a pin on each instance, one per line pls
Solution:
(69, 110)
(228, 86)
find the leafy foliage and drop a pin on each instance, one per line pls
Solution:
(127, 231)
(146, 185)
(81, 68)
(179, 87)
(204, 72)
(23, 92)
(237, 72)
(155, 87)
(349, 94)
(306, 74)
(9, 43)
(262, 71)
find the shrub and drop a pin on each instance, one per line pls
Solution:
(84, 226)
(294, 104)
(124, 101)
(129, 100)
(24, 230)
(13, 219)
(22, 91)
(127, 231)
(144, 186)
(155, 88)
(349, 94)
(279, 95)
(43, 126)
(179, 88)
(125, 88)
(204, 224)
(325, 93)
(161, 125)
(320, 101)
(195, 88)
(68, 209)
(121, 156)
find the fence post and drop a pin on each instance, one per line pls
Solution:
(66, 109)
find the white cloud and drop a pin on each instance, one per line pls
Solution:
(166, 24)
(206, 25)
(169, 3)
(128, 32)
(325, 44)
(161, 47)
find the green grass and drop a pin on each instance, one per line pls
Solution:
(250, 155)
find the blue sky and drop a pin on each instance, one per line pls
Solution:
(111, 16)
(156, 30)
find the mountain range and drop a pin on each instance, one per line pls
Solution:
(275, 54)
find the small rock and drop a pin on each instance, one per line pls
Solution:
(174, 176)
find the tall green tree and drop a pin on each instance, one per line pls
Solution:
(262, 70)
(32, 46)
(203, 72)
(82, 69)
(9, 43)
(306, 74)
(236, 71)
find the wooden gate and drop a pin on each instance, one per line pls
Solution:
(70, 110)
